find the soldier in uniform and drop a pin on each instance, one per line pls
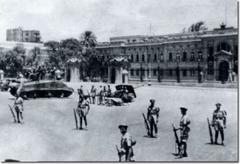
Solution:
(18, 106)
(109, 91)
(100, 94)
(184, 130)
(93, 94)
(80, 94)
(152, 116)
(126, 144)
(219, 122)
(82, 110)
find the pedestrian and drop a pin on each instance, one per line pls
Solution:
(80, 94)
(82, 111)
(18, 106)
(109, 91)
(152, 116)
(219, 122)
(126, 144)
(93, 93)
(100, 96)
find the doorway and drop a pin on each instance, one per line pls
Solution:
(113, 75)
(223, 71)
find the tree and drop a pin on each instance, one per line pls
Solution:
(198, 26)
(88, 41)
(53, 50)
(33, 58)
(14, 63)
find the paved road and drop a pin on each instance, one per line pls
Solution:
(48, 133)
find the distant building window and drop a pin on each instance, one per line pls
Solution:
(147, 72)
(170, 72)
(184, 58)
(143, 58)
(137, 58)
(200, 56)
(137, 72)
(132, 72)
(132, 58)
(192, 72)
(192, 58)
(155, 72)
(161, 57)
(155, 57)
(170, 58)
(184, 72)
(148, 57)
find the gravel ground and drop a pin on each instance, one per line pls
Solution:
(48, 133)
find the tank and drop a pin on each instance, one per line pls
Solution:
(35, 89)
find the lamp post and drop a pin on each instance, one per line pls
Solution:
(177, 69)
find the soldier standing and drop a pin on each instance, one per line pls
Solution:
(18, 106)
(109, 92)
(126, 144)
(100, 94)
(82, 110)
(152, 116)
(93, 94)
(80, 94)
(219, 122)
(184, 130)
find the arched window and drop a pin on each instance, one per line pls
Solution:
(143, 58)
(155, 57)
(184, 58)
(137, 58)
(132, 58)
(170, 58)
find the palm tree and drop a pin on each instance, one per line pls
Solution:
(88, 39)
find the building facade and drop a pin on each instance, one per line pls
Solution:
(20, 35)
(207, 55)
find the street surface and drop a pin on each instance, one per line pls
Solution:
(49, 134)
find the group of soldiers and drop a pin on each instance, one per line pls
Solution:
(127, 142)
(126, 152)
(95, 96)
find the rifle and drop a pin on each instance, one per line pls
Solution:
(177, 141)
(210, 131)
(146, 124)
(119, 153)
(75, 117)
(14, 117)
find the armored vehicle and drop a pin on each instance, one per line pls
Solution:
(35, 89)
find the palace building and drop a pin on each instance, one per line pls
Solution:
(207, 55)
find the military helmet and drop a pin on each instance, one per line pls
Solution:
(183, 109)
(218, 104)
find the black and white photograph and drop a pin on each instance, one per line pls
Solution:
(119, 81)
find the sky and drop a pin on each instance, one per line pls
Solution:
(61, 19)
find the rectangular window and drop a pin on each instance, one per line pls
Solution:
(154, 72)
(155, 57)
(192, 72)
(184, 72)
(170, 72)
(143, 58)
(137, 58)
(132, 72)
(170, 58)
(137, 72)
